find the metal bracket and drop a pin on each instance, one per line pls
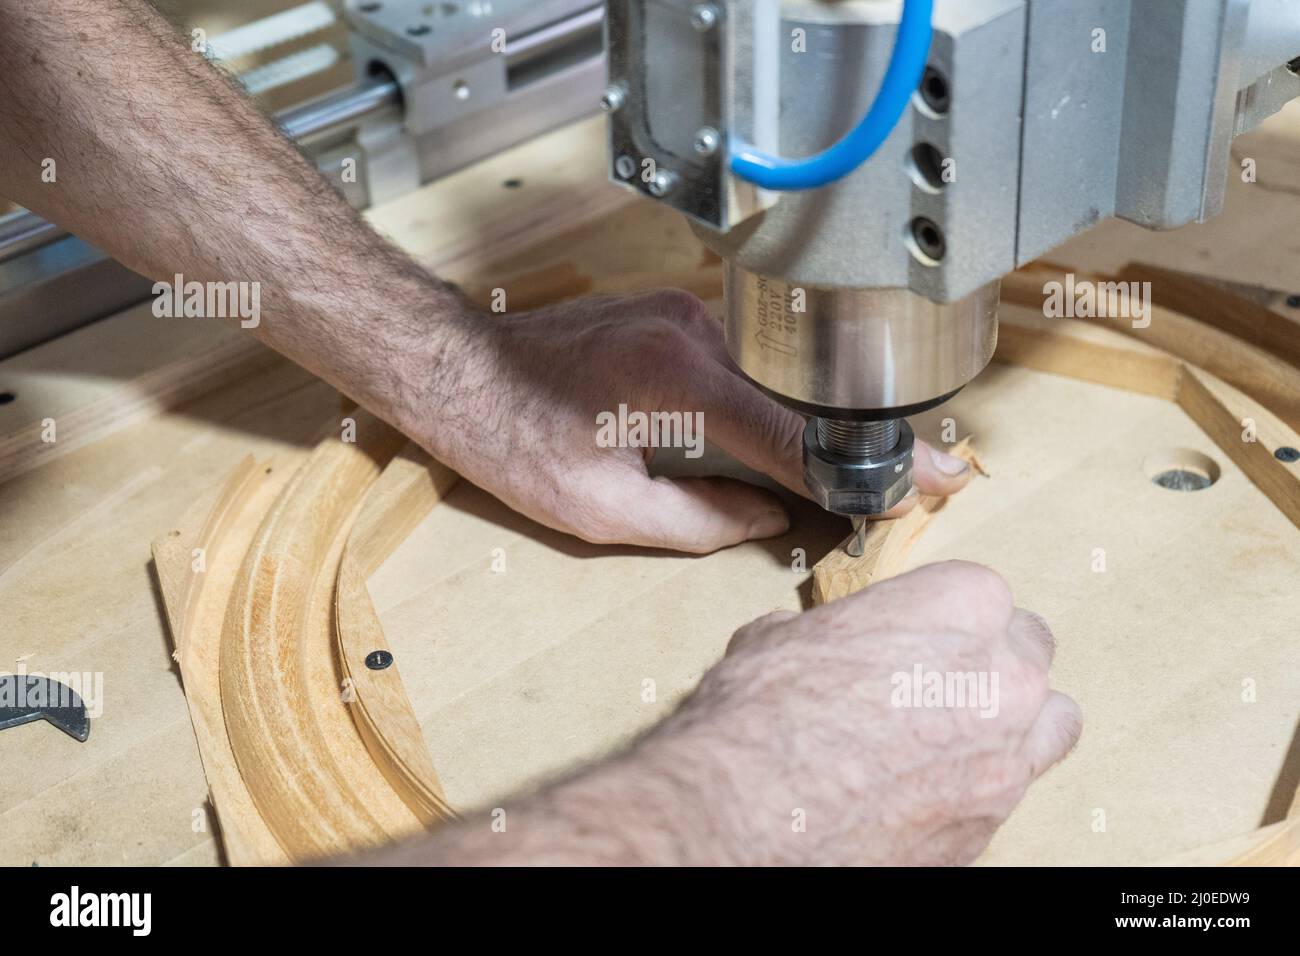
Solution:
(670, 126)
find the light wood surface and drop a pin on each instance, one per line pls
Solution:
(520, 674)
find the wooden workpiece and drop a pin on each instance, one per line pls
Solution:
(886, 546)
(524, 652)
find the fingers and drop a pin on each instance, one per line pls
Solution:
(1054, 733)
(754, 429)
(936, 472)
(696, 375)
(757, 430)
(696, 515)
(953, 595)
(749, 426)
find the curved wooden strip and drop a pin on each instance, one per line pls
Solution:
(297, 748)
(1270, 380)
(410, 486)
(222, 524)
(888, 543)
(1241, 311)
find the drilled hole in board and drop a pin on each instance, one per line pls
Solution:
(7, 397)
(1181, 469)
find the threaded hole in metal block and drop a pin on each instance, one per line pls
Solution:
(926, 240)
(935, 92)
(925, 166)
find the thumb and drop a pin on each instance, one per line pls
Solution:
(700, 515)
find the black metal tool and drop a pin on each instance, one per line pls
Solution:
(25, 697)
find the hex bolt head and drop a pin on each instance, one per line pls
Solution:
(857, 486)
(664, 182)
(613, 98)
(704, 17)
(625, 166)
(706, 141)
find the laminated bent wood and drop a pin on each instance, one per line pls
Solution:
(297, 752)
(212, 535)
(307, 751)
(410, 485)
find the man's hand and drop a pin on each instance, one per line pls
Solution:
(809, 744)
(815, 714)
(515, 408)
(177, 172)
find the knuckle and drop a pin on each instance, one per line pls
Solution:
(1028, 692)
(1069, 722)
(980, 581)
(759, 628)
(683, 308)
(782, 434)
(662, 343)
(1039, 634)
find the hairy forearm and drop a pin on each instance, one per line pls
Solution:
(669, 802)
(162, 162)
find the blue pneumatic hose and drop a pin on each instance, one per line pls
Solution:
(903, 75)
